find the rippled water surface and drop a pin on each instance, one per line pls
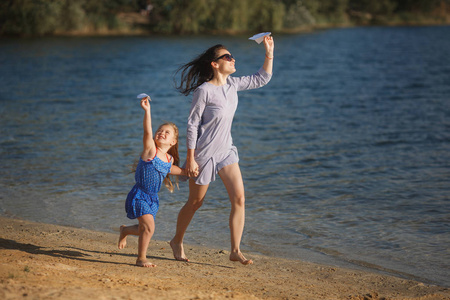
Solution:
(345, 154)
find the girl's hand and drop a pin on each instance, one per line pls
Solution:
(269, 45)
(145, 103)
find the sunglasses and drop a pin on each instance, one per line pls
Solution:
(227, 57)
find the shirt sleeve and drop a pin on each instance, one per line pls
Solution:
(257, 80)
(195, 117)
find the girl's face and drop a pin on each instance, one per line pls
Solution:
(224, 65)
(165, 135)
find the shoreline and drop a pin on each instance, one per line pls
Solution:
(53, 262)
(139, 32)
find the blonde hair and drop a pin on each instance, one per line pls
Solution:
(173, 151)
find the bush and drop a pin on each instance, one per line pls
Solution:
(42, 17)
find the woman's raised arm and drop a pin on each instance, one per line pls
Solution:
(269, 46)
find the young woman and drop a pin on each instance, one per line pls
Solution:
(209, 142)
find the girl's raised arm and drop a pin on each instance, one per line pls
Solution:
(149, 144)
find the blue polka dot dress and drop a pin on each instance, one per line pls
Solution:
(143, 197)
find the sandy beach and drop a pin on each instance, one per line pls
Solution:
(44, 261)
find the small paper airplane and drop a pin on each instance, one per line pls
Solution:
(259, 37)
(140, 96)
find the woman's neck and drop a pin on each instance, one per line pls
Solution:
(219, 79)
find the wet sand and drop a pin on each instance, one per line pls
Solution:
(44, 261)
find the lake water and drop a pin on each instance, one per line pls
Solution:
(345, 154)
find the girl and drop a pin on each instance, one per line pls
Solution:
(158, 159)
(209, 142)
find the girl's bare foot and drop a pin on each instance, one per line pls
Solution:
(178, 251)
(144, 263)
(122, 238)
(238, 256)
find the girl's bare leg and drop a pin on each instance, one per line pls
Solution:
(146, 230)
(232, 179)
(196, 196)
(124, 232)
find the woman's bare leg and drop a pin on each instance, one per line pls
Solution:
(232, 179)
(196, 196)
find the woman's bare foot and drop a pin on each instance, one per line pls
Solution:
(238, 256)
(178, 251)
(122, 238)
(144, 263)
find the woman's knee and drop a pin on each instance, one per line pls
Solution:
(194, 204)
(197, 194)
(238, 201)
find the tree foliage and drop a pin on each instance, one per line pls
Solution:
(195, 16)
(41, 17)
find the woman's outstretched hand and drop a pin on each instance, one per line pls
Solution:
(268, 61)
(269, 45)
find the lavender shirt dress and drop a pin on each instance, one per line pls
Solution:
(209, 123)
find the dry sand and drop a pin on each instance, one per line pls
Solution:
(43, 261)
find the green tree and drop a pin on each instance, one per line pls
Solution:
(28, 17)
(229, 15)
(265, 15)
(373, 7)
(424, 6)
(203, 16)
(41, 17)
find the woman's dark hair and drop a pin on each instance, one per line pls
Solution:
(198, 71)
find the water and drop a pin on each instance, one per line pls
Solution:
(345, 154)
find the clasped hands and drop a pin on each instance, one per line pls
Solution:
(192, 168)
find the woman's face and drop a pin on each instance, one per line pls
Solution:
(226, 64)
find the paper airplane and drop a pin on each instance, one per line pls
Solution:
(140, 96)
(259, 37)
